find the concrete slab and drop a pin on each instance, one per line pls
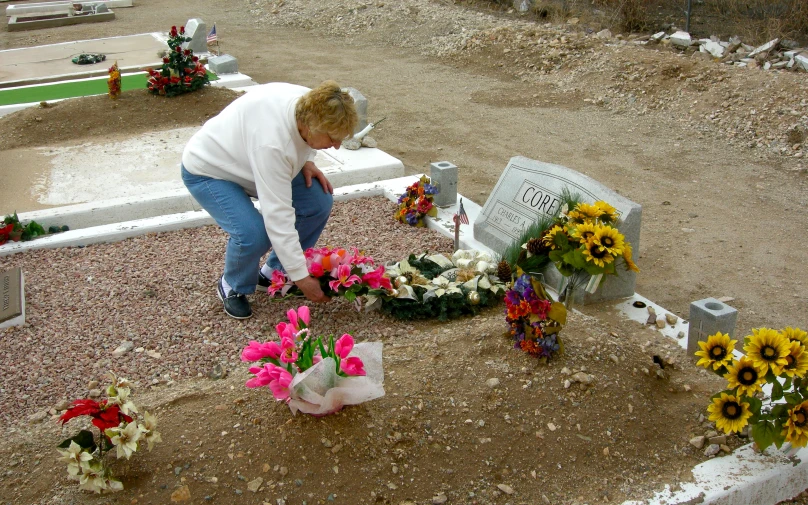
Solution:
(35, 65)
(30, 8)
(22, 23)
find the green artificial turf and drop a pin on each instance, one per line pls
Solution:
(89, 87)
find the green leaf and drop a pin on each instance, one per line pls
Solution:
(793, 398)
(787, 384)
(84, 439)
(764, 434)
(754, 404)
(777, 390)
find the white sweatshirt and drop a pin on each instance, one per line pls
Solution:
(255, 143)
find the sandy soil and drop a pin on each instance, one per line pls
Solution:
(709, 151)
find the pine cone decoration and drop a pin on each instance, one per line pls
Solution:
(504, 271)
(536, 247)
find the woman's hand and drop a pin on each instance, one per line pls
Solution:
(311, 288)
(310, 170)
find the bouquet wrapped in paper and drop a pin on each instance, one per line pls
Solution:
(315, 375)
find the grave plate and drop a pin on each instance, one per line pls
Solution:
(528, 189)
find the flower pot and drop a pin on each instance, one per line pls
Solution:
(15, 235)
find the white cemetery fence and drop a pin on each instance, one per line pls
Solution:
(528, 189)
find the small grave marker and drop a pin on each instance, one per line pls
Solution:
(528, 189)
(12, 298)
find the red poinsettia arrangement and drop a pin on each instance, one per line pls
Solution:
(117, 428)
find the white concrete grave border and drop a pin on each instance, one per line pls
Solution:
(32, 9)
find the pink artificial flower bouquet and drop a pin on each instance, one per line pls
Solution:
(315, 375)
(340, 273)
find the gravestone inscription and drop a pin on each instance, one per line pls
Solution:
(12, 301)
(528, 189)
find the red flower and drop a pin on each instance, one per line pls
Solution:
(81, 408)
(165, 60)
(110, 417)
(173, 31)
(182, 29)
(187, 52)
(195, 59)
(175, 80)
(178, 49)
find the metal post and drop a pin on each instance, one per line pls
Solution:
(689, 10)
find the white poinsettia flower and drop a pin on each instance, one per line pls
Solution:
(372, 302)
(484, 256)
(92, 478)
(484, 267)
(484, 282)
(75, 457)
(464, 262)
(405, 291)
(149, 429)
(122, 399)
(125, 439)
(440, 286)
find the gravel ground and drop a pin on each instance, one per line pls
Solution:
(158, 292)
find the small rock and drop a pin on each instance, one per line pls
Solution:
(660, 322)
(218, 372)
(551, 426)
(671, 319)
(352, 144)
(720, 440)
(505, 488)
(725, 448)
(605, 451)
(582, 377)
(697, 442)
(181, 494)
(37, 417)
(255, 484)
(492, 383)
(651, 319)
(123, 348)
(283, 471)
(439, 499)
(94, 393)
(712, 450)
(651, 310)
(92, 384)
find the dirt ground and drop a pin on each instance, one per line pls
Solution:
(712, 153)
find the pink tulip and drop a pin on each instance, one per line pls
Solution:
(304, 314)
(343, 346)
(291, 315)
(316, 269)
(288, 350)
(280, 387)
(257, 351)
(277, 282)
(262, 377)
(376, 279)
(344, 278)
(353, 366)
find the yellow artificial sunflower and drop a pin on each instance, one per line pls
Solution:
(595, 253)
(796, 427)
(609, 213)
(746, 375)
(586, 212)
(729, 413)
(583, 232)
(768, 347)
(627, 253)
(797, 360)
(609, 239)
(796, 334)
(549, 236)
(716, 351)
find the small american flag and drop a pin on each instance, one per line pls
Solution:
(461, 214)
(212, 35)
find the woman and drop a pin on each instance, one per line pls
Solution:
(262, 145)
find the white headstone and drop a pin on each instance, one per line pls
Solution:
(529, 188)
(12, 298)
(198, 31)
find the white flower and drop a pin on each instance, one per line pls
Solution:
(149, 429)
(75, 457)
(120, 396)
(440, 286)
(440, 260)
(125, 439)
(92, 478)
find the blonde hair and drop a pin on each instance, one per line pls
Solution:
(328, 109)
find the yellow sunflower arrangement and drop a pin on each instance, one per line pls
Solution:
(776, 358)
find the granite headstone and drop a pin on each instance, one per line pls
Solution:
(12, 299)
(528, 189)
(198, 31)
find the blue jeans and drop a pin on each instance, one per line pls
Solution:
(230, 206)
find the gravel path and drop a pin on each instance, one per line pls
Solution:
(158, 292)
